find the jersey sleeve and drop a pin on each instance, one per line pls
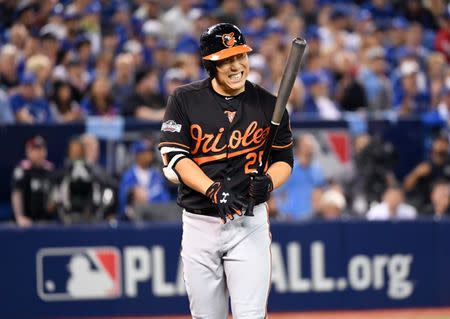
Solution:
(283, 139)
(18, 179)
(175, 126)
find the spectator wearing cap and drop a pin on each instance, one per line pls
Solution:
(145, 102)
(123, 78)
(31, 184)
(173, 78)
(396, 37)
(255, 21)
(414, 41)
(152, 32)
(51, 37)
(63, 104)
(77, 76)
(90, 25)
(100, 100)
(135, 49)
(84, 52)
(373, 77)
(332, 29)
(56, 14)
(317, 101)
(121, 22)
(8, 67)
(331, 206)
(27, 106)
(392, 207)
(381, 10)
(72, 23)
(410, 95)
(186, 58)
(418, 182)
(363, 22)
(142, 183)
(313, 38)
(273, 38)
(442, 39)
(163, 57)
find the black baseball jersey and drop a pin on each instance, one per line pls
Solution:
(34, 183)
(224, 137)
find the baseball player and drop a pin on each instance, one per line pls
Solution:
(212, 138)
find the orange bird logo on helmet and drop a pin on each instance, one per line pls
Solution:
(228, 40)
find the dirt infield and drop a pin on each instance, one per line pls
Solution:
(435, 313)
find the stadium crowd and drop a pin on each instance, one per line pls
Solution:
(65, 60)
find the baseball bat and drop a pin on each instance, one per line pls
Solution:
(284, 91)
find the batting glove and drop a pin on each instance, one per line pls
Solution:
(226, 202)
(260, 187)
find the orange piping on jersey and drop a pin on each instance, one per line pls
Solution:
(173, 143)
(206, 159)
(283, 146)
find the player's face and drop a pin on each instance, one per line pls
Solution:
(231, 74)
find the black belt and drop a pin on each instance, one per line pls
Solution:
(204, 211)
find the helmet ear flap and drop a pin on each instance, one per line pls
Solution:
(210, 67)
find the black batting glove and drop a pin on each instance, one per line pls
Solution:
(226, 202)
(260, 187)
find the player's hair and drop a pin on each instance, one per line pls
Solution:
(210, 67)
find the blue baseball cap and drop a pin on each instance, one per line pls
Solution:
(363, 15)
(27, 79)
(399, 23)
(311, 78)
(252, 13)
(312, 33)
(187, 45)
(141, 146)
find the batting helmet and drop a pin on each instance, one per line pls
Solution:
(219, 42)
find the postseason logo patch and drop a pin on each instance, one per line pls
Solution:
(171, 126)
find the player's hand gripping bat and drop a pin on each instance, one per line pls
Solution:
(287, 82)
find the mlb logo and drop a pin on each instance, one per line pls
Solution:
(77, 273)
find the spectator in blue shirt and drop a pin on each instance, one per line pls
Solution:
(293, 200)
(142, 184)
(27, 106)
